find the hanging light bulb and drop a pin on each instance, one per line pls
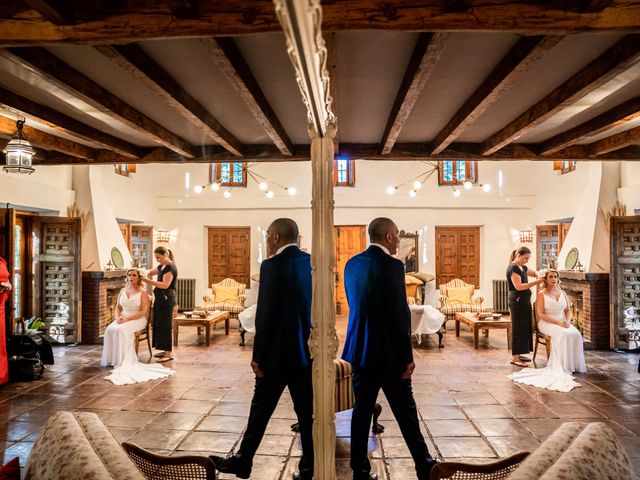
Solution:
(197, 189)
(412, 193)
(291, 191)
(214, 187)
(263, 186)
(19, 152)
(391, 190)
(269, 194)
(456, 192)
(417, 185)
(467, 185)
(486, 187)
(227, 194)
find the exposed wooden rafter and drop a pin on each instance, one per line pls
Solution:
(332, 68)
(370, 151)
(423, 60)
(619, 58)
(58, 12)
(62, 76)
(616, 142)
(19, 105)
(627, 111)
(520, 58)
(46, 140)
(229, 60)
(144, 19)
(183, 8)
(146, 71)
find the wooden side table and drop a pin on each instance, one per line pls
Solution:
(476, 325)
(210, 320)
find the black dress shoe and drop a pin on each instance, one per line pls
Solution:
(231, 464)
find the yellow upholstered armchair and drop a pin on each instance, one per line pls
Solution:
(226, 296)
(457, 296)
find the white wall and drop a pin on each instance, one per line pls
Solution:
(629, 191)
(48, 188)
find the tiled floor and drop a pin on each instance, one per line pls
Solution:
(469, 409)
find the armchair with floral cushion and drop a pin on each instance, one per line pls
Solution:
(226, 296)
(457, 296)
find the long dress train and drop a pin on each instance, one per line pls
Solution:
(119, 350)
(567, 355)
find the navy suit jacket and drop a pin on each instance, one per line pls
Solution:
(283, 314)
(379, 331)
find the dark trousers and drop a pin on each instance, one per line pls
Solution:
(163, 304)
(267, 392)
(521, 316)
(366, 385)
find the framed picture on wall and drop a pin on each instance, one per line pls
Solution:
(408, 251)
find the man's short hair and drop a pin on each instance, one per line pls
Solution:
(379, 227)
(286, 228)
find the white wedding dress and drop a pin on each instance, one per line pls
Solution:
(119, 351)
(567, 355)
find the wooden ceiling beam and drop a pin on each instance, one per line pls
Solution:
(619, 58)
(226, 55)
(371, 151)
(615, 142)
(72, 82)
(617, 116)
(183, 8)
(332, 69)
(140, 20)
(24, 107)
(146, 71)
(426, 53)
(46, 140)
(520, 58)
(58, 12)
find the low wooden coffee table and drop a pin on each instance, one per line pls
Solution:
(211, 319)
(476, 325)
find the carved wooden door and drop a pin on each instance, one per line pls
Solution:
(57, 261)
(141, 246)
(547, 244)
(458, 254)
(229, 254)
(625, 282)
(349, 241)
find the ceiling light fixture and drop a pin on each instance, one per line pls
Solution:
(19, 152)
(263, 184)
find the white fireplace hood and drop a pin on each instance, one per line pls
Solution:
(100, 232)
(589, 233)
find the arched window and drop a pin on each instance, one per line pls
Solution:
(229, 174)
(455, 172)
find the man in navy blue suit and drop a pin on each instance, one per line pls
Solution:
(280, 352)
(378, 346)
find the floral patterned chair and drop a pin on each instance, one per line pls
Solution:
(451, 294)
(226, 296)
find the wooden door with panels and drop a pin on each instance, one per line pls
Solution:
(458, 254)
(349, 241)
(229, 250)
(58, 298)
(7, 230)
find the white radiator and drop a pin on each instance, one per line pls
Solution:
(186, 293)
(500, 296)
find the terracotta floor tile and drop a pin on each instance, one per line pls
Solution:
(214, 442)
(190, 406)
(275, 444)
(127, 419)
(223, 423)
(175, 421)
(451, 428)
(472, 447)
(442, 412)
(487, 411)
(159, 439)
(499, 427)
(232, 409)
(20, 450)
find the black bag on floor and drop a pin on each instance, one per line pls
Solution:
(28, 346)
(21, 368)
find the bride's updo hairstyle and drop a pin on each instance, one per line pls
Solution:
(544, 284)
(137, 270)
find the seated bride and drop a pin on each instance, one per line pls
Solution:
(567, 355)
(130, 316)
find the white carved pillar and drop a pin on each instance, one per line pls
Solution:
(301, 22)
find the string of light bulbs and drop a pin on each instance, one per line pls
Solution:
(421, 178)
(263, 184)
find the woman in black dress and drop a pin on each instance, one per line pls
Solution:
(520, 304)
(163, 302)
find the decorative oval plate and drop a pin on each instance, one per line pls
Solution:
(116, 258)
(572, 259)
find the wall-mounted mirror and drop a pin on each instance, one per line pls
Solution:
(408, 251)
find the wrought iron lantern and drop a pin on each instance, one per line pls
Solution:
(19, 152)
